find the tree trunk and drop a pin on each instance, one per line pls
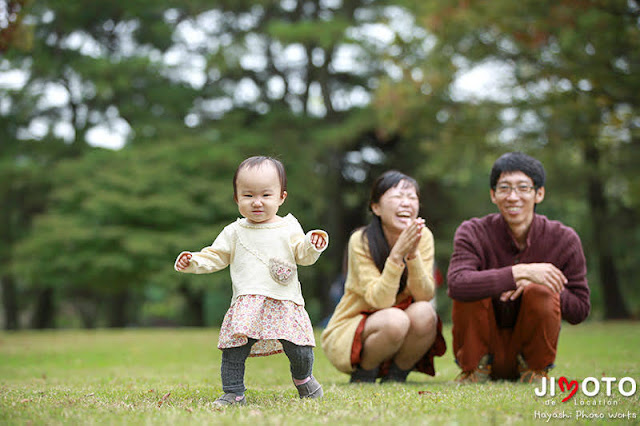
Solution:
(334, 216)
(9, 303)
(614, 306)
(44, 311)
(194, 306)
(117, 310)
(87, 309)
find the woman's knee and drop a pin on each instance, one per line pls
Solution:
(393, 323)
(423, 317)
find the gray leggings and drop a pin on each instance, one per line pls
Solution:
(233, 360)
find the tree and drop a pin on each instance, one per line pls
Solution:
(105, 238)
(12, 30)
(78, 70)
(572, 100)
(314, 61)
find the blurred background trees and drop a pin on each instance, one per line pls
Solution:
(570, 98)
(121, 128)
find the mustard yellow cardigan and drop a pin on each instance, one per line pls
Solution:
(367, 289)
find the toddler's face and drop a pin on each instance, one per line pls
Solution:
(259, 194)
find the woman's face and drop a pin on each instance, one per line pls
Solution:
(398, 207)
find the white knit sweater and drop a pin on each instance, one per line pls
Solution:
(248, 248)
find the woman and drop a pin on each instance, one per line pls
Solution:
(384, 325)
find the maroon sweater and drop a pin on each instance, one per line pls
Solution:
(484, 251)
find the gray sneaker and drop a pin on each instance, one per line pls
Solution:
(312, 389)
(230, 399)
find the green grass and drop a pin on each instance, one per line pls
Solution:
(171, 376)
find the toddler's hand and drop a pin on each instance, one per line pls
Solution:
(183, 262)
(318, 240)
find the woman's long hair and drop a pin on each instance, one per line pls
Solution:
(377, 242)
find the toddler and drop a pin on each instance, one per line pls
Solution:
(267, 314)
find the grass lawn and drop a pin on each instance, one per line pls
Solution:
(171, 376)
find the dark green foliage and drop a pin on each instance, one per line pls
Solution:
(193, 88)
(571, 100)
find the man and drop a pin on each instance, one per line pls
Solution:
(513, 276)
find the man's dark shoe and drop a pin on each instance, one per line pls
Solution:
(481, 374)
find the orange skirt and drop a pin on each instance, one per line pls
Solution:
(424, 365)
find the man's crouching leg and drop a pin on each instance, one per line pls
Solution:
(472, 322)
(537, 329)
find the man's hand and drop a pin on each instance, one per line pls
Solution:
(318, 240)
(514, 294)
(540, 273)
(184, 261)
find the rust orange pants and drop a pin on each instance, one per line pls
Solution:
(535, 334)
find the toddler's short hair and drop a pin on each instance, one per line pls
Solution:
(257, 161)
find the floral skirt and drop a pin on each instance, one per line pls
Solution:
(267, 320)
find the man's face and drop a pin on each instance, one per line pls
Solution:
(516, 198)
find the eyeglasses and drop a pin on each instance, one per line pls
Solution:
(505, 190)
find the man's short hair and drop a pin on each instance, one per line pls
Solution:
(518, 162)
